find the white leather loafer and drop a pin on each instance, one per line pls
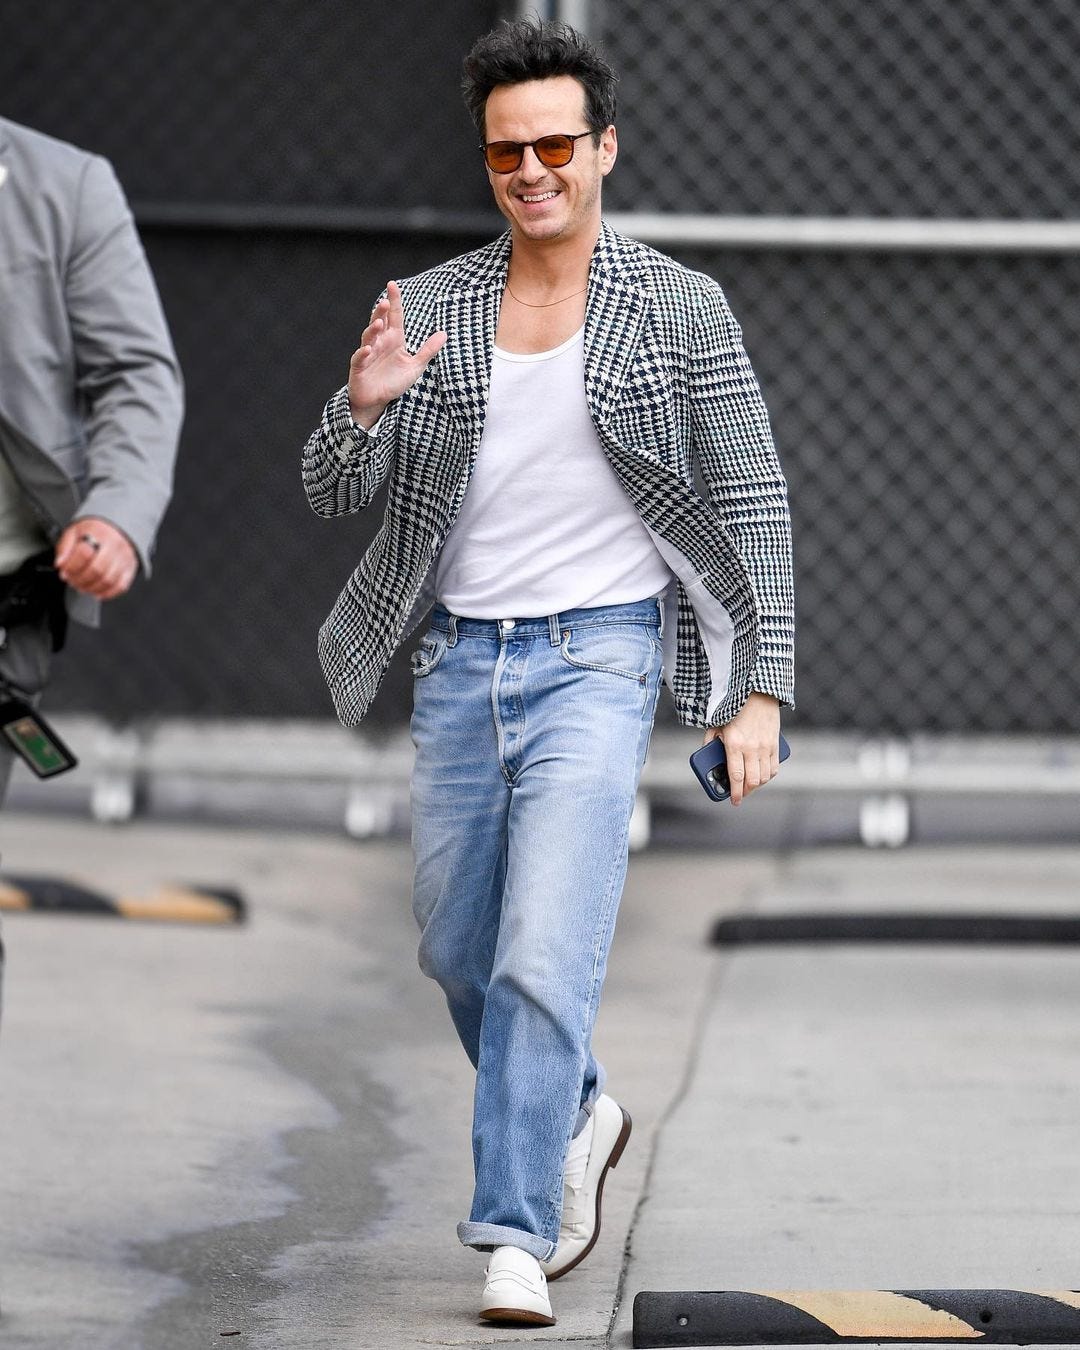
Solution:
(515, 1290)
(580, 1225)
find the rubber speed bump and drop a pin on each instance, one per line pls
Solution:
(748, 929)
(829, 1317)
(167, 904)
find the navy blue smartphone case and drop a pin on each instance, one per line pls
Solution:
(710, 765)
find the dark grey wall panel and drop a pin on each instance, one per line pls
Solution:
(926, 407)
(840, 107)
(295, 101)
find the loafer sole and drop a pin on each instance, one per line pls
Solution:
(517, 1316)
(612, 1161)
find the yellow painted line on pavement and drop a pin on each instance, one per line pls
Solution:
(1070, 1297)
(875, 1313)
(174, 904)
(171, 902)
(11, 897)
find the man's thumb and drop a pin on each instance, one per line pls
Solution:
(432, 347)
(64, 546)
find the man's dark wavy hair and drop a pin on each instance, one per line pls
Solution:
(535, 49)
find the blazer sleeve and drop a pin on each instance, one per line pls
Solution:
(734, 449)
(127, 374)
(343, 466)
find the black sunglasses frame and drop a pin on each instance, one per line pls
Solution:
(522, 146)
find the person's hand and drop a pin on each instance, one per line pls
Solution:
(382, 367)
(96, 558)
(752, 745)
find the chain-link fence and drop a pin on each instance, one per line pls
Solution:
(839, 107)
(925, 404)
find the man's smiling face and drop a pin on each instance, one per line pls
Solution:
(541, 203)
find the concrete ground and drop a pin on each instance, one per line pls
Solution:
(259, 1135)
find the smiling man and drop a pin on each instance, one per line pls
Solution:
(539, 407)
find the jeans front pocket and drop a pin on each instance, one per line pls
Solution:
(428, 655)
(626, 649)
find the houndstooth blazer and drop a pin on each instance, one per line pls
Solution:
(668, 385)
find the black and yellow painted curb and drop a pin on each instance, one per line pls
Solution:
(829, 1317)
(749, 929)
(166, 904)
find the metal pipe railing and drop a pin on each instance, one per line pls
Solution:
(844, 234)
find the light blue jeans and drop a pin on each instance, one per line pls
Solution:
(530, 736)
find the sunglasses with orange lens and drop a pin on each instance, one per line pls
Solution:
(552, 151)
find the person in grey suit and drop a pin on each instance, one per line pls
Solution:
(91, 396)
(537, 411)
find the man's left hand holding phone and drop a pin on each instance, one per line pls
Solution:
(751, 745)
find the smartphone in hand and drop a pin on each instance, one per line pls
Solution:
(710, 765)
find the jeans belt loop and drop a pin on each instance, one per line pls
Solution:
(451, 641)
(553, 629)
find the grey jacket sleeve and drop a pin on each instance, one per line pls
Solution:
(127, 373)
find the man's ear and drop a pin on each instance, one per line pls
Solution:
(609, 150)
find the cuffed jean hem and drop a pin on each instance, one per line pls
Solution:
(486, 1236)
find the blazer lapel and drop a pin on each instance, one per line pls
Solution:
(615, 315)
(470, 314)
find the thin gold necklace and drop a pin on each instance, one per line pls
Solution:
(550, 303)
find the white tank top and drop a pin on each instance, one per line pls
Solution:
(545, 525)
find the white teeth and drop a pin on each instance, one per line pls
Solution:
(539, 197)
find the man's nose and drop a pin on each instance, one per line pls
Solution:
(531, 168)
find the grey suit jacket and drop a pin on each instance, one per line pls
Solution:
(91, 398)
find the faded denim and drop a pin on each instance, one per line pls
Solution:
(529, 740)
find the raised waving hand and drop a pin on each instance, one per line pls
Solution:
(382, 367)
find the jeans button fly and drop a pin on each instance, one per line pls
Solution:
(506, 624)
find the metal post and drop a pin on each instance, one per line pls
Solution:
(573, 12)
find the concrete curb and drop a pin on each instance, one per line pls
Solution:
(830, 1317)
(167, 904)
(748, 930)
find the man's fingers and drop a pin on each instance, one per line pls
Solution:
(103, 585)
(96, 558)
(396, 314)
(431, 347)
(113, 587)
(373, 332)
(376, 325)
(81, 566)
(736, 773)
(748, 770)
(382, 367)
(101, 568)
